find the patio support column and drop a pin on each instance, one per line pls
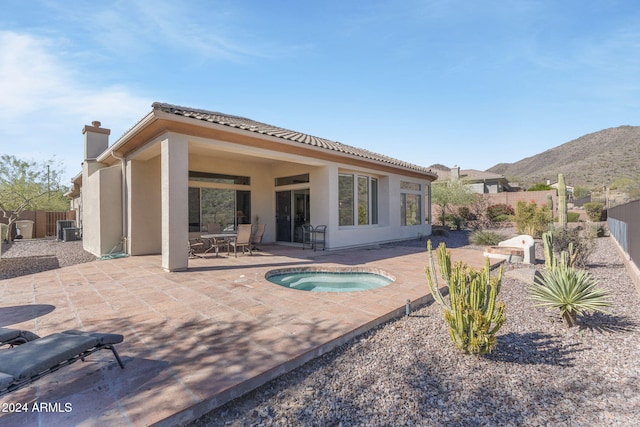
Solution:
(175, 202)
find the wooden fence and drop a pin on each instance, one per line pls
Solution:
(44, 223)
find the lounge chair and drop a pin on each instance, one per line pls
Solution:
(13, 337)
(22, 365)
(242, 240)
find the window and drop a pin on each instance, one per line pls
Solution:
(345, 201)
(289, 180)
(219, 178)
(357, 192)
(412, 186)
(226, 206)
(410, 203)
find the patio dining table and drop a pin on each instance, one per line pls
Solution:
(217, 239)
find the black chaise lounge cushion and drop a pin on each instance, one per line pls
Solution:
(28, 362)
(16, 336)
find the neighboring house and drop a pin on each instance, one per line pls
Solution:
(479, 181)
(179, 169)
(569, 189)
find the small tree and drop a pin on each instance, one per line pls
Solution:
(450, 193)
(24, 185)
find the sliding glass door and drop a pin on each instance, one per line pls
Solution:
(292, 211)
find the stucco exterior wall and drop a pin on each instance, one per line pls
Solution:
(144, 200)
(102, 203)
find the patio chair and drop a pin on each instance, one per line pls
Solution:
(242, 240)
(13, 337)
(257, 236)
(320, 236)
(213, 228)
(196, 246)
(308, 236)
(22, 365)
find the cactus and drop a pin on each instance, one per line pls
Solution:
(550, 202)
(550, 260)
(562, 201)
(567, 258)
(473, 315)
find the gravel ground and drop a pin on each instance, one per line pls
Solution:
(33, 256)
(407, 372)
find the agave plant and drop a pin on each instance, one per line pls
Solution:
(571, 290)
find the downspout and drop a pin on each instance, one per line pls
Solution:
(124, 238)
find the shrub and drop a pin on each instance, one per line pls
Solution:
(594, 210)
(577, 244)
(532, 220)
(486, 238)
(571, 217)
(440, 232)
(465, 213)
(595, 230)
(571, 290)
(473, 315)
(499, 212)
(539, 187)
(457, 222)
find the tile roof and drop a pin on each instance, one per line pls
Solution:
(289, 135)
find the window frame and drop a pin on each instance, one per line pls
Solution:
(411, 190)
(359, 204)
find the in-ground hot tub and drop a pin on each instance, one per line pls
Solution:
(330, 279)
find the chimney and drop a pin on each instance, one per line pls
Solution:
(455, 173)
(96, 140)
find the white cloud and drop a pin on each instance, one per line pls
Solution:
(46, 101)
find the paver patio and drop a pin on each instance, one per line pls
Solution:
(195, 339)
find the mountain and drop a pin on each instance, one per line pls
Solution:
(590, 161)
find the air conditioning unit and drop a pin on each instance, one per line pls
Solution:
(71, 234)
(61, 225)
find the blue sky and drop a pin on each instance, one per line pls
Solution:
(471, 83)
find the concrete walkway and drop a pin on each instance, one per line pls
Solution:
(196, 339)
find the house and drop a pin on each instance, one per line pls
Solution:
(179, 169)
(480, 182)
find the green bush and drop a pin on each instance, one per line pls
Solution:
(457, 222)
(486, 238)
(571, 217)
(500, 212)
(595, 230)
(532, 220)
(594, 210)
(540, 187)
